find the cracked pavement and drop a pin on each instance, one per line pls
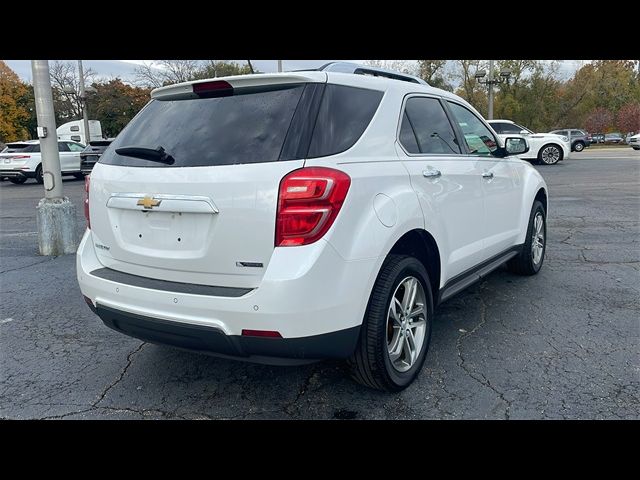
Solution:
(564, 344)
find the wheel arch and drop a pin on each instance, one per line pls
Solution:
(420, 244)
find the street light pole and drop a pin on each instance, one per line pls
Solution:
(490, 82)
(505, 73)
(279, 65)
(47, 129)
(55, 214)
(83, 98)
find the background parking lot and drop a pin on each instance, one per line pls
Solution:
(562, 344)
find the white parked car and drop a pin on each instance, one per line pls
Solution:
(287, 218)
(634, 141)
(22, 160)
(545, 148)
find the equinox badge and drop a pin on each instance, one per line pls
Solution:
(149, 202)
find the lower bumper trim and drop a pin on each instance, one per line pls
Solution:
(339, 344)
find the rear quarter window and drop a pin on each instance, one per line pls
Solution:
(344, 114)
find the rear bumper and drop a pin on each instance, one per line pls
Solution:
(310, 295)
(17, 174)
(211, 340)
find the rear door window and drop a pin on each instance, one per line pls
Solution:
(238, 129)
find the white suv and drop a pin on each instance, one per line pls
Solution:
(544, 148)
(20, 161)
(286, 218)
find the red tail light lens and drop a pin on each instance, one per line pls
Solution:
(308, 203)
(85, 200)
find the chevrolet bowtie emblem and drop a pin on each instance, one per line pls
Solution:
(149, 202)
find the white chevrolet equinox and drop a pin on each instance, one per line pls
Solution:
(287, 218)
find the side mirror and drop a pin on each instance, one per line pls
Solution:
(515, 146)
(524, 132)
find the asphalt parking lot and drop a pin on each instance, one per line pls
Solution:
(562, 344)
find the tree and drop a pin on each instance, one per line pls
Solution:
(166, 72)
(14, 115)
(628, 119)
(64, 76)
(469, 88)
(116, 103)
(434, 73)
(218, 68)
(600, 120)
(403, 66)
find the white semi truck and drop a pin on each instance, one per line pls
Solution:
(74, 131)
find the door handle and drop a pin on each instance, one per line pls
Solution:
(487, 175)
(431, 173)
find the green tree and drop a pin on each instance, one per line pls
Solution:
(14, 114)
(115, 104)
(218, 68)
(434, 73)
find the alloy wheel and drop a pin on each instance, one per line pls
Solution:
(406, 324)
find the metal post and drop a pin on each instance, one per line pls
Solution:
(490, 83)
(55, 215)
(279, 65)
(47, 119)
(83, 98)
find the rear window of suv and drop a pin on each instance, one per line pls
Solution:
(251, 127)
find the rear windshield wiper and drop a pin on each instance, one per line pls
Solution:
(152, 154)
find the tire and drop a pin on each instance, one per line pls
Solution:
(371, 364)
(579, 146)
(39, 177)
(525, 262)
(18, 180)
(636, 148)
(79, 175)
(550, 154)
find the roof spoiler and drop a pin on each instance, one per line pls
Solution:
(349, 67)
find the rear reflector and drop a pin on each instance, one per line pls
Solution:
(261, 333)
(85, 200)
(217, 88)
(88, 301)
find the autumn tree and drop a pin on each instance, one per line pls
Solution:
(116, 103)
(13, 114)
(628, 119)
(599, 120)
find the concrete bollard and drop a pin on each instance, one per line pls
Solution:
(57, 226)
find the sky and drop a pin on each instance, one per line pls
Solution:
(125, 69)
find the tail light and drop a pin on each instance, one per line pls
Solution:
(85, 201)
(308, 203)
(17, 157)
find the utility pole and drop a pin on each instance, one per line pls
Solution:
(55, 214)
(490, 82)
(83, 97)
(279, 65)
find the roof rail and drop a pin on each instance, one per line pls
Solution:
(348, 67)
